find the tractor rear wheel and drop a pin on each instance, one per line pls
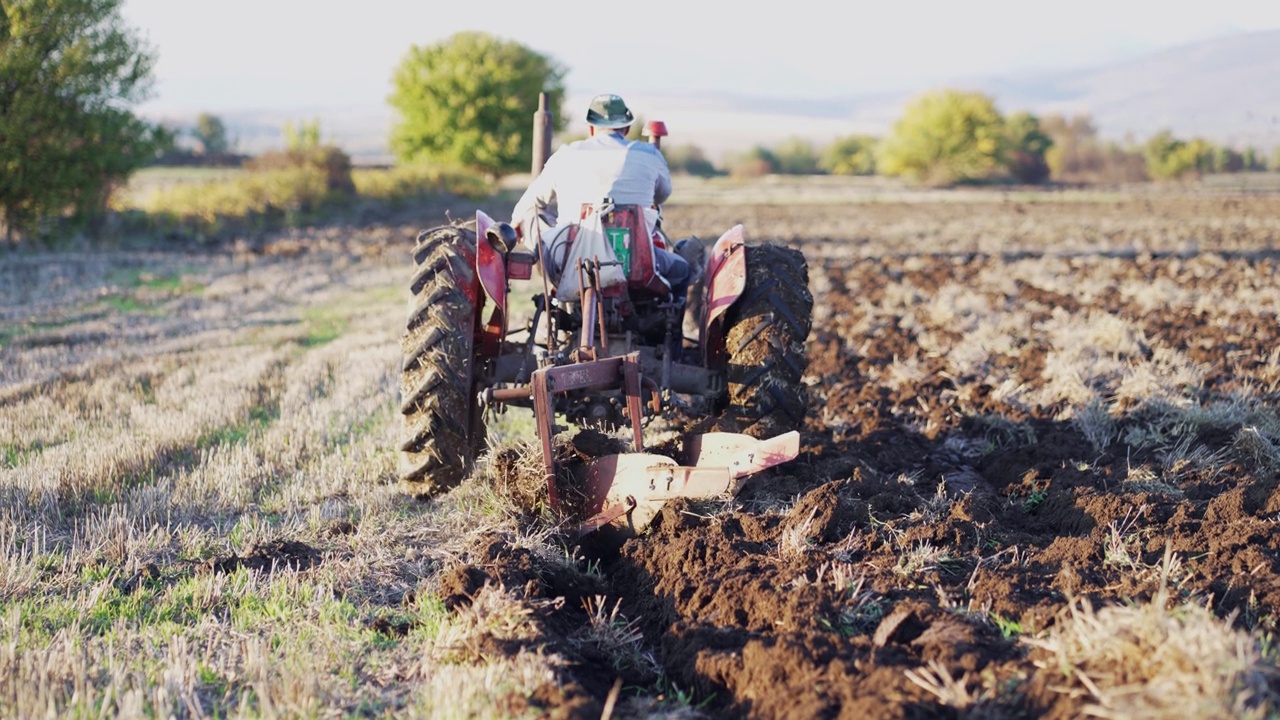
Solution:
(765, 335)
(443, 426)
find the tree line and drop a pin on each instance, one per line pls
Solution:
(950, 137)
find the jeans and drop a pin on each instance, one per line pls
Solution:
(675, 270)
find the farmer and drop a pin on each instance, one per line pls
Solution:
(605, 165)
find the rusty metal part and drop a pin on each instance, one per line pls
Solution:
(522, 392)
(492, 269)
(599, 374)
(726, 279)
(627, 490)
(541, 135)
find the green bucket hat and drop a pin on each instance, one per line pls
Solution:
(609, 111)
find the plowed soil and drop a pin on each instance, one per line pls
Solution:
(1014, 406)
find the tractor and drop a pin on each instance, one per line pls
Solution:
(606, 358)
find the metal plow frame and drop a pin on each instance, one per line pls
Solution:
(629, 489)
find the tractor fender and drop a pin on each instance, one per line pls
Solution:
(726, 279)
(492, 271)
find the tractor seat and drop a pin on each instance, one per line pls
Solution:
(627, 233)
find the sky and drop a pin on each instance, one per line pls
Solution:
(296, 54)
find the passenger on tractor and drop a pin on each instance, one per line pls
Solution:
(591, 178)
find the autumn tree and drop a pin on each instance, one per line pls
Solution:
(469, 100)
(1080, 155)
(755, 162)
(69, 70)
(946, 137)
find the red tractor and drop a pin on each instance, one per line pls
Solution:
(609, 357)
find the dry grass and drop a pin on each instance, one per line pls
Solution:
(1155, 661)
(247, 407)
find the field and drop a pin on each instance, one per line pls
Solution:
(1040, 477)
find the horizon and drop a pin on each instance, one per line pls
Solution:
(285, 63)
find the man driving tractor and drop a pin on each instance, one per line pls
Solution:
(589, 178)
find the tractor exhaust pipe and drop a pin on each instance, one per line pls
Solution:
(541, 135)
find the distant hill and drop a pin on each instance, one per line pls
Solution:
(1226, 89)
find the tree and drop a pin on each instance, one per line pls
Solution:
(470, 100)
(69, 69)
(1253, 160)
(690, 160)
(1026, 145)
(796, 156)
(211, 133)
(946, 137)
(1079, 155)
(1169, 158)
(756, 162)
(302, 136)
(852, 155)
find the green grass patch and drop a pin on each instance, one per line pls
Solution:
(260, 417)
(1008, 627)
(323, 325)
(13, 455)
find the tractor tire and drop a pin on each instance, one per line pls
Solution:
(443, 426)
(765, 336)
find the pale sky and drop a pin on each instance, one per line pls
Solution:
(302, 54)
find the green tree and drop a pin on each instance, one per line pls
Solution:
(470, 100)
(946, 137)
(69, 69)
(796, 156)
(1169, 158)
(1228, 160)
(1253, 160)
(1026, 145)
(302, 136)
(690, 160)
(852, 155)
(211, 133)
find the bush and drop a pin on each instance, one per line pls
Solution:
(852, 155)
(690, 160)
(756, 162)
(408, 182)
(1079, 156)
(292, 190)
(330, 161)
(796, 157)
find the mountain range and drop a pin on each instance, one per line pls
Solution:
(1225, 89)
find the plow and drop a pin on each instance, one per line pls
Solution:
(605, 352)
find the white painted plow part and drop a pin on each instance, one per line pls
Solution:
(628, 490)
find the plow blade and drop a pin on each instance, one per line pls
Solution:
(626, 491)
